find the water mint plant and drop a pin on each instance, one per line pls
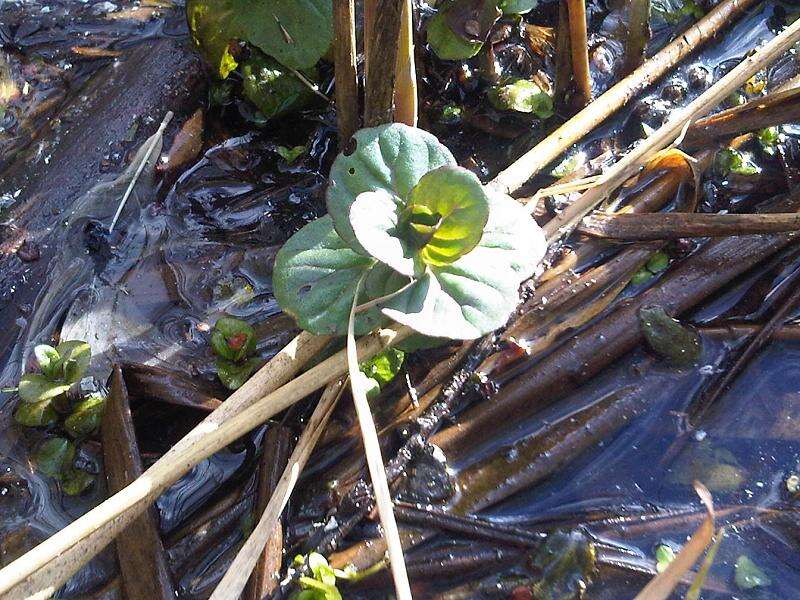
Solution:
(427, 244)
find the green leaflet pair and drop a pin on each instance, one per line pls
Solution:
(432, 248)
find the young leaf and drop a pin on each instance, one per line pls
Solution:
(34, 387)
(384, 367)
(75, 481)
(522, 96)
(233, 375)
(86, 417)
(315, 278)
(664, 555)
(446, 43)
(478, 292)
(389, 157)
(54, 456)
(290, 154)
(517, 7)
(233, 339)
(47, 358)
(36, 414)
(749, 575)
(74, 359)
(457, 199)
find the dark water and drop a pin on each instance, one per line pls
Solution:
(203, 246)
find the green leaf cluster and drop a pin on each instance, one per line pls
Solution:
(55, 458)
(282, 36)
(61, 367)
(436, 251)
(730, 161)
(674, 11)
(381, 369)
(234, 343)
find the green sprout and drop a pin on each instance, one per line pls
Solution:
(234, 343)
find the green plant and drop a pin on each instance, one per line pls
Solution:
(234, 342)
(61, 367)
(434, 249)
(55, 458)
(522, 96)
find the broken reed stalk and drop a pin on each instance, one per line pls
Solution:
(579, 49)
(405, 87)
(382, 50)
(563, 223)
(554, 145)
(372, 451)
(370, 10)
(42, 570)
(663, 584)
(668, 226)
(235, 579)
(773, 109)
(344, 53)
(563, 58)
(638, 35)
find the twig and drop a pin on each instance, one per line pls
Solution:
(236, 577)
(309, 84)
(667, 226)
(579, 48)
(275, 454)
(139, 546)
(769, 111)
(563, 223)
(44, 568)
(372, 450)
(145, 159)
(345, 69)
(514, 176)
(405, 87)
(638, 34)
(382, 52)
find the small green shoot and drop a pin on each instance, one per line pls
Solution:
(730, 161)
(55, 457)
(290, 154)
(234, 342)
(522, 96)
(664, 555)
(749, 575)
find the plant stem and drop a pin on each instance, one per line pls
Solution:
(372, 449)
(405, 89)
(579, 48)
(667, 226)
(638, 35)
(382, 51)
(345, 68)
(515, 175)
(236, 577)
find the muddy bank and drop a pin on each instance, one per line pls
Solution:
(89, 140)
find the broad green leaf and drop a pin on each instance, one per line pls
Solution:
(86, 417)
(478, 292)
(749, 575)
(47, 358)
(54, 456)
(233, 339)
(272, 88)
(34, 387)
(522, 96)
(74, 359)
(295, 32)
(390, 157)
(76, 481)
(458, 202)
(315, 277)
(376, 221)
(446, 43)
(517, 7)
(36, 414)
(233, 375)
(383, 367)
